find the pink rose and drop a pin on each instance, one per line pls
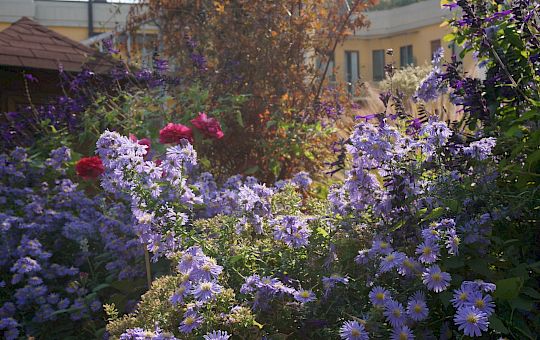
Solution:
(208, 126)
(173, 133)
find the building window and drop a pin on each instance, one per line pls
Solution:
(321, 66)
(435, 45)
(406, 56)
(378, 65)
(352, 69)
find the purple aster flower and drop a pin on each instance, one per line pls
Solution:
(435, 279)
(402, 333)
(292, 230)
(483, 303)
(452, 241)
(304, 296)
(417, 308)
(379, 296)
(206, 290)
(461, 296)
(208, 270)
(471, 321)
(352, 330)
(179, 294)
(481, 285)
(191, 321)
(394, 313)
(217, 335)
(390, 261)
(330, 282)
(362, 257)
(380, 246)
(409, 267)
(302, 179)
(431, 234)
(428, 251)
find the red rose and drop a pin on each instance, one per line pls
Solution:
(209, 126)
(173, 133)
(145, 141)
(89, 167)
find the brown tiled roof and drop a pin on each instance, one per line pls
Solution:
(28, 44)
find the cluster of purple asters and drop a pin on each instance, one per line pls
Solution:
(384, 169)
(198, 285)
(130, 171)
(50, 232)
(141, 334)
(474, 306)
(291, 230)
(439, 238)
(267, 288)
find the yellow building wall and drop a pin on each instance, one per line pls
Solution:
(420, 39)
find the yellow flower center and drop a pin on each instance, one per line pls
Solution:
(304, 294)
(436, 277)
(390, 257)
(417, 308)
(396, 312)
(379, 296)
(206, 286)
(471, 318)
(463, 296)
(426, 251)
(384, 245)
(403, 336)
(355, 332)
(479, 303)
(206, 267)
(189, 320)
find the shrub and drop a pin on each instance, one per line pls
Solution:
(62, 250)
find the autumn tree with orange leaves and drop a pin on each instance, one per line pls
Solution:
(273, 53)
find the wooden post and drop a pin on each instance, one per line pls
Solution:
(148, 269)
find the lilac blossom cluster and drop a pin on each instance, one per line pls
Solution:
(50, 231)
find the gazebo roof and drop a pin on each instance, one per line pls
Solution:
(26, 43)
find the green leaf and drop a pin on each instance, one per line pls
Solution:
(520, 303)
(480, 266)
(100, 287)
(434, 214)
(239, 119)
(508, 289)
(497, 325)
(531, 292)
(322, 232)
